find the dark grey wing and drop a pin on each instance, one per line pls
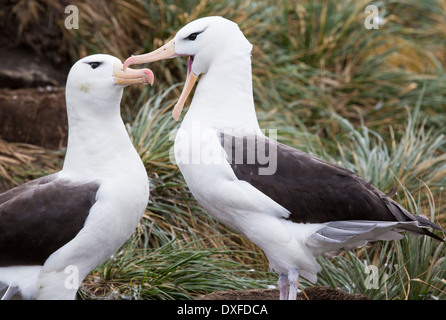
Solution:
(311, 189)
(12, 193)
(40, 216)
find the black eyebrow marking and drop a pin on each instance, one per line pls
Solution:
(94, 64)
(194, 35)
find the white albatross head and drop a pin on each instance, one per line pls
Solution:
(101, 77)
(203, 41)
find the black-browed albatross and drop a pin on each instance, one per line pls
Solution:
(292, 205)
(54, 230)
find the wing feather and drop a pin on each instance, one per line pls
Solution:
(312, 190)
(40, 216)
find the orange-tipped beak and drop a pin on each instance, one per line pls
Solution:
(190, 81)
(167, 51)
(132, 76)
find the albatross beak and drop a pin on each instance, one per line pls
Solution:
(132, 76)
(167, 51)
(190, 81)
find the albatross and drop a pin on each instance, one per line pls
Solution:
(55, 229)
(292, 205)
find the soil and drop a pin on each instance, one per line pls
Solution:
(311, 293)
(32, 99)
(34, 115)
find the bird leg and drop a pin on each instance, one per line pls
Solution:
(293, 280)
(283, 284)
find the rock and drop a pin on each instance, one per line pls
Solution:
(22, 68)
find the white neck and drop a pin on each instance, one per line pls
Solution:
(223, 98)
(96, 144)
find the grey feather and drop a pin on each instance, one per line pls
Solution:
(40, 216)
(347, 235)
(9, 292)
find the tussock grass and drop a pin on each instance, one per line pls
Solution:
(404, 271)
(176, 270)
(371, 100)
(413, 268)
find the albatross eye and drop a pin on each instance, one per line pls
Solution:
(193, 36)
(95, 64)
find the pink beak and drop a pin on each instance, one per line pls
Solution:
(167, 51)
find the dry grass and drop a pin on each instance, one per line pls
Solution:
(371, 100)
(21, 162)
